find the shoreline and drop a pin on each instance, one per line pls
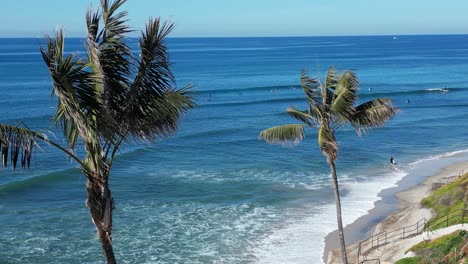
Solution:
(398, 206)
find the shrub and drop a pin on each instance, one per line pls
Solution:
(445, 199)
(412, 260)
(426, 202)
(458, 194)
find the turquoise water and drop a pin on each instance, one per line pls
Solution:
(214, 193)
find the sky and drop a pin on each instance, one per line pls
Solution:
(244, 18)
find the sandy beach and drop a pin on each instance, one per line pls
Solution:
(408, 212)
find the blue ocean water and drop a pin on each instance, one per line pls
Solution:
(214, 193)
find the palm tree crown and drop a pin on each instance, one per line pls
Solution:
(330, 105)
(113, 94)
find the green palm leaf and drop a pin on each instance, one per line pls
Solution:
(331, 80)
(154, 76)
(302, 116)
(345, 95)
(285, 134)
(373, 113)
(327, 143)
(332, 77)
(92, 24)
(73, 84)
(153, 106)
(310, 86)
(110, 60)
(158, 116)
(16, 140)
(21, 140)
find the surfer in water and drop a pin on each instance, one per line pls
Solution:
(392, 161)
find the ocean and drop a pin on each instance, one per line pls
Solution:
(213, 192)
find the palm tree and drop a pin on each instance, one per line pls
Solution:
(109, 97)
(330, 105)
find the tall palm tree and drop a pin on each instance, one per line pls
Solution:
(330, 105)
(109, 97)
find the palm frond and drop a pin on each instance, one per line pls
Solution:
(92, 24)
(331, 80)
(114, 23)
(345, 96)
(308, 118)
(18, 140)
(110, 59)
(285, 134)
(373, 113)
(153, 106)
(73, 84)
(27, 153)
(310, 86)
(154, 76)
(327, 143)
(158, 116)
(21, 140)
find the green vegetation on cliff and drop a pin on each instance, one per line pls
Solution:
(445, 249)
(449, 198)
(412, 260)
(451, 248)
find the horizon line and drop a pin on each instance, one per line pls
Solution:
(275, 36)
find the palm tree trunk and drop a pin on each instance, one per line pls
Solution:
(101, 205)
(106, 243)
(338, 211)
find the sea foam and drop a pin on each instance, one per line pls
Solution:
(301, 240)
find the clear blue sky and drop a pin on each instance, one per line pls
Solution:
(201, 18)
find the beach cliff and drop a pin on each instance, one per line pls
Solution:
(409, 212)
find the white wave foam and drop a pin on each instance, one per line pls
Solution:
(301, 240)
(297, 242)
(439, 156)
(445, 89)
(287, 179)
